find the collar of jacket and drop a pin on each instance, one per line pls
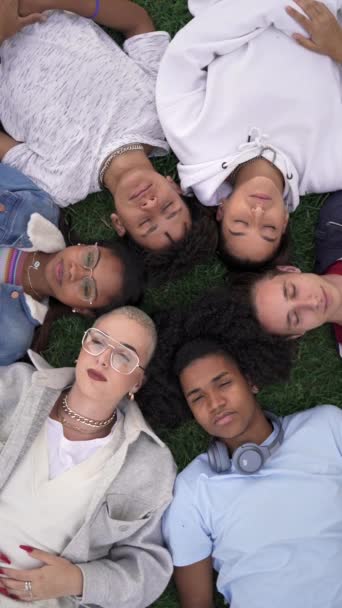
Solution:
(46, 237)
(61, 377)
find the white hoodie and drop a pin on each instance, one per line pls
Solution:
(233, 82)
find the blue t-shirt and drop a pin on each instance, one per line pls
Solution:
(275, 537)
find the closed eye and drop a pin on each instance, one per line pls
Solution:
(144, 222)
(271, 227)
(197, 399)
(167, 206)
(225, 383)
(241, 222)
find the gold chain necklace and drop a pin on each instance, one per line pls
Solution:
(97, 424)
(35, 265)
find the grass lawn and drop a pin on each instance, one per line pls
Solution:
(317, 376)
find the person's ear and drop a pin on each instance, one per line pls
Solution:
(220, 211)
(296, 336)
(173, 184)
(253, 386)
(288, 268)
(85, 312)
(286, 221)
(117, 225)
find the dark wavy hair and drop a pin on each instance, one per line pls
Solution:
(199, 243)
(216, 319)
(242, 286)
(282, 255)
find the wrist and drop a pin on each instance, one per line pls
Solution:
(76, 583)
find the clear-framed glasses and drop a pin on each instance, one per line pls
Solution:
(89, 258)
(123, 359)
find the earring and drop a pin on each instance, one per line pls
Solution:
(73, 310)
(75, 361)
(131, 396)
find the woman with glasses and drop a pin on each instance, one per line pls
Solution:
(84, 480)
(36, 265)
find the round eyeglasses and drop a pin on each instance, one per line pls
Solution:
(89, 259)
(123, 358)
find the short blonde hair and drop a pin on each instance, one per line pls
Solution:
(131, 312)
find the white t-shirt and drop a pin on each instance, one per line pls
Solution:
(275, 537)
(72, 96)
(65, 454)
(233, 82)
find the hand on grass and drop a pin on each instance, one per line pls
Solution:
(10, 20)
(56, 578)
(325, 32)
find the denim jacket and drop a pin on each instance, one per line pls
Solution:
(28, 221)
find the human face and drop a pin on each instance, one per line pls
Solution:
(219, 396)
(292, 303)
(150, 208)
(67, 277)
(254, 218)
(95, 375)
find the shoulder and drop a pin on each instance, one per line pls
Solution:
(148, 473)
(15, 381)
(314, 418)
(198, 470)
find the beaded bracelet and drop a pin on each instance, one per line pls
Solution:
(96, 12)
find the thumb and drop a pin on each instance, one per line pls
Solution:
(31, 19)
(42, 556)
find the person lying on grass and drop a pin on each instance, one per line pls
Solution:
(252, 132)
(83, 117)
(288, 302)
(262, 506)
(36, 264)
(84, 480)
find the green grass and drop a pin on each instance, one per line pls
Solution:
(316, 377)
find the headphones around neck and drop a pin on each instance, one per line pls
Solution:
(249, 458)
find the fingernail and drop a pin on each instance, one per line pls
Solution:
(5, 559)
(2, 571)
(4, 591)
(26, 548)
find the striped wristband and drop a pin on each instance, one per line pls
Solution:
(97, 9)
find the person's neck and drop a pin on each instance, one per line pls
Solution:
(134, 159)
(257, 432)
(34, 280)
(86, 407)
(259, 167)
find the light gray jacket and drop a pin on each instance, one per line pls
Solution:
(119, 546)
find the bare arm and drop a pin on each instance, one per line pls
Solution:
(195, 584)
(11, 22)
(6, 143)
(324, 31)
(122, 15)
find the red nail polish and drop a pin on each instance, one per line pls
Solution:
(2, 571)
(4, 558)
(26, 548)
(4, 591)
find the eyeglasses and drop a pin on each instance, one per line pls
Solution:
(123, 359)
(89, 258)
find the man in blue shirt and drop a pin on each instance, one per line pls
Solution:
(266, 516)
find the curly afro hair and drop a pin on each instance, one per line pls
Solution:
(198, 245)
(218, 323)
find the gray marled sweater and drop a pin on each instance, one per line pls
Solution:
(72, 96)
